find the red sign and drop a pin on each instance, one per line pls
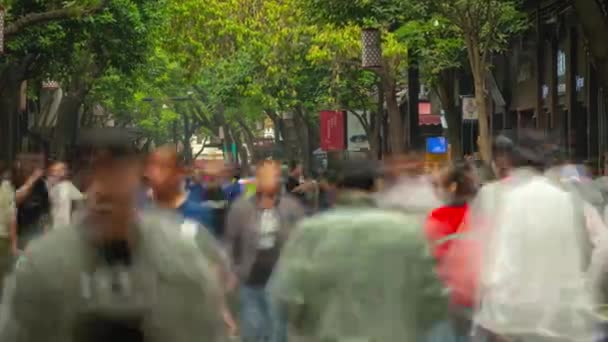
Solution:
(333, 130)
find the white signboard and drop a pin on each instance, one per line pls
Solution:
(469, 109)
(357, 139)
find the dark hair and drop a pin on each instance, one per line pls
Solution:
(114, 143)
(357, 175)
(459, 173)
(503, 146)
(533, 149)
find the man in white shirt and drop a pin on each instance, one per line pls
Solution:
(532, 282)
(62, 193)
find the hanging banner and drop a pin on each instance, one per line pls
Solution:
(333, 130)
(469, 109)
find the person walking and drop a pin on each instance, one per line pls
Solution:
(7, 222)
(456, 187)
(116, 275)
(359, 272)
(536, 254)
(63, 194)
(165, 174)
(33, 202)
(256, 230)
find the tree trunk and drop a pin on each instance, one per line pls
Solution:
(446, 92)
(249, 139)
(187, 139)
(10, 94)
(395, 130)
(381, 131)
(9, 117)
(280, 134)
(303, 135)
(242, 152)
(483, 141)
(66, 129)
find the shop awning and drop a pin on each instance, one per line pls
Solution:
(425, 116)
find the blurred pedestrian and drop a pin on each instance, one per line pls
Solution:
(295, 178)
(456, 187)
(256, 230)
(533, 281)
(341, 276)
(32, 197)
(116, 275)
(8, 221)
(406, 187)
(165, 173)
(63, 194)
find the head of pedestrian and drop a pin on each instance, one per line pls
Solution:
(533, 150)
(115, 170)
(268, 183)
(357, 176)
(57, 172)
(165, 172)
(456, 183)
(214, 171)
(503, 150)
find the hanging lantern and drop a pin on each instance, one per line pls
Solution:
(372, 49)
(50, 85)
(2, 17)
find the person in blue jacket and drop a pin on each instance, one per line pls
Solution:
(165, 173)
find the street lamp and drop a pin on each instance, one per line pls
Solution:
(50, 85)
(371, 57)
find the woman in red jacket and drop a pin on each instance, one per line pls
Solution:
(456, 186)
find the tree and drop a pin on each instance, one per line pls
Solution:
(387, 15)
(75, 43)
(31, 26)
(441, 53)
(485, 26)
(348, 87)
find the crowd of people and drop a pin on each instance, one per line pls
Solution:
(144, 248)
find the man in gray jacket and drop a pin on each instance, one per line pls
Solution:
(257, 227)
(115, 275)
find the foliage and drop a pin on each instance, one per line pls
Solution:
(484, 25)
(436, 42)
(383, 13)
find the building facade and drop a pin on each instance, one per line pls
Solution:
(551, 80)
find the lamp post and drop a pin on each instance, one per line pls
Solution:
(50, 85)
(371, 59)
(371, 42)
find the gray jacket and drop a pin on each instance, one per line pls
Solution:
(171, 288)
(242, 229)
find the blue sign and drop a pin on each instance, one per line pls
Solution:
(436, 145)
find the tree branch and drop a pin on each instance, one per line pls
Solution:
(32, 19)
(197, 154)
